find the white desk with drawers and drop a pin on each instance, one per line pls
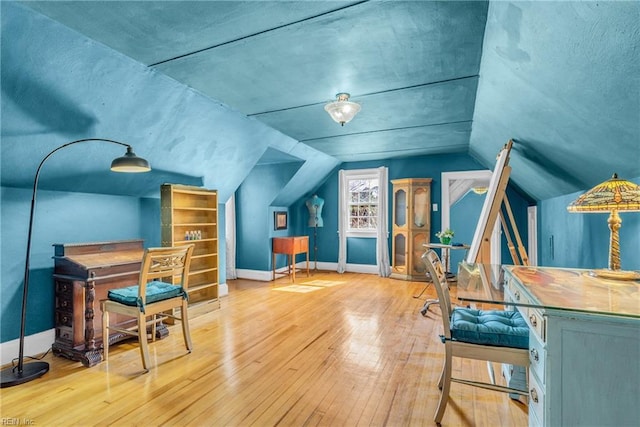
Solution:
(584, 343)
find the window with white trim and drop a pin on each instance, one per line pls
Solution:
(362, 202)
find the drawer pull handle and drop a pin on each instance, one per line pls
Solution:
(534, 321)
(534, 395)
(517, 295)
(534, 354)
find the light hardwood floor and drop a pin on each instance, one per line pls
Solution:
(357, 353)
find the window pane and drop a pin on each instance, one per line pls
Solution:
(363, 204)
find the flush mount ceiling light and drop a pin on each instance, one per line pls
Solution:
(342, 110)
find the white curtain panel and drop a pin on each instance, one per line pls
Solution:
(230, 234)
(382, 245)
(343, 217)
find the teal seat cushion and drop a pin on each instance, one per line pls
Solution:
(155, 291)
(492, 327)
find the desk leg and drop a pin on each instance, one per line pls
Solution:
(292, 267)
(273, 264)
(307, 262)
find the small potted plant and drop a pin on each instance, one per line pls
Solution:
(445, 236)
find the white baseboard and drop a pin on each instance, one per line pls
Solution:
(333, 266)
(260, 275)
(33, 345)
(266, 276)
(223, 289)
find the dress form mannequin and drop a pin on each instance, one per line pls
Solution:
(314, 205)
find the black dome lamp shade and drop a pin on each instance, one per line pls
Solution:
(130, 163)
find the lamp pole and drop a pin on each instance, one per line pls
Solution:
(23, 373)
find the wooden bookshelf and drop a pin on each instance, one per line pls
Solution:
(189, 215)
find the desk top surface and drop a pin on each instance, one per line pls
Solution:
(443, 246)
(551, 288)
(104, 260)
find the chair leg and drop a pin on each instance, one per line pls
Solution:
(185, 326)
(105, 333)
(142, 339)
(440, 381)
(445, 380)
(492, 375)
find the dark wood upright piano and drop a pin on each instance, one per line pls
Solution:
(83, 274)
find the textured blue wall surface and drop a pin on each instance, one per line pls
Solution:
(59, 218)
(561, 78)
(59, 86)
(461, 222)
(150, 222)
(254, 215)
(582, 240)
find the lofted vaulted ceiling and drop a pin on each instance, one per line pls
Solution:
(561, 78)
(413, 66)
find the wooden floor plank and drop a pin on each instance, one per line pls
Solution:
(354, 354)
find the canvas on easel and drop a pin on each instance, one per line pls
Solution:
(492, 207)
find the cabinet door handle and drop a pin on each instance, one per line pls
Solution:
(534, 395)
(533, 320)
(516, 295)
(534, 354)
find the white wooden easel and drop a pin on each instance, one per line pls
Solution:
(496, 198)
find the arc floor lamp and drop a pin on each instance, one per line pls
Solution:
(22, 373)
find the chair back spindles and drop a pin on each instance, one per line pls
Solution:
(170, 265)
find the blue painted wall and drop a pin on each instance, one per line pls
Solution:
(59, 218)
(63, 217)
(560, 78)
(460, 222)
(582, 240)
(254, 215)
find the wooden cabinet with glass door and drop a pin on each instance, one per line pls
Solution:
(189, 215)
(411, 227)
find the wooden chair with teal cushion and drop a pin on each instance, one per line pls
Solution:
(161, 289)
(494, 336)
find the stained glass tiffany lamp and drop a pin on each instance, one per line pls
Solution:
(613, 196)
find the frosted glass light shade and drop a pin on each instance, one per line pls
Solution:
(342, 110)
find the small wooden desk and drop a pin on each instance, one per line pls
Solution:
(291, 246)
